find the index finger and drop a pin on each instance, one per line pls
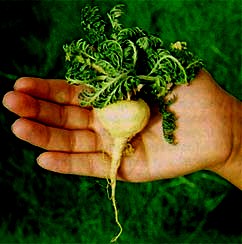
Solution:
(54, 90)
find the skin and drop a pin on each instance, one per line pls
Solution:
(209, 133)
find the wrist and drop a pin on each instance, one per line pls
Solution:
(231, 169)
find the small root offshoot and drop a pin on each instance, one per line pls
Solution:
(128, 150)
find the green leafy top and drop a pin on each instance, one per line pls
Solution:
(117, 63)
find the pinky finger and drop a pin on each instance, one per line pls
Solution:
(84, 164)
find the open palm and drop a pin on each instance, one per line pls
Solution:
(77, 144)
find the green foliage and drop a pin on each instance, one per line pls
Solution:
(117, 63)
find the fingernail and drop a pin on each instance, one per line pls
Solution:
(5, 101)
(40, 162)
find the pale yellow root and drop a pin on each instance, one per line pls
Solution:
(119, 145)
(122, 120)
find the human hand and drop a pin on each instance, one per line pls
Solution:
(76, 143)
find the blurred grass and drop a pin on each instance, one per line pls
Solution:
(43, 207)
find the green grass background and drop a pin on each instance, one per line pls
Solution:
(37, 206)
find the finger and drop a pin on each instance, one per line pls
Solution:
(85, 164)
(66, 116)
(133, 168)
(58, 91)
(56, 139)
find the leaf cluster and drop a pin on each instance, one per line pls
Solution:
(115, 63)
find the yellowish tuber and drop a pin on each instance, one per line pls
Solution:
(123, 120)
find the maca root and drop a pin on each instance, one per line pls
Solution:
(117, 65)
(123, 120)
